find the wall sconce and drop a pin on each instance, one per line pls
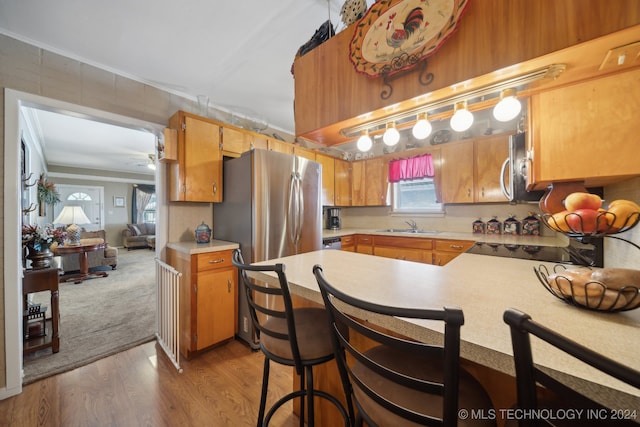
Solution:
(422, 128)
(364, 142)
(391, 136)
(508, 107)
(462, 119)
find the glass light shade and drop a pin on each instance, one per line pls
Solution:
(364, 142)
(462, 119)
(508, 108)
(391, 135)
(422, 128)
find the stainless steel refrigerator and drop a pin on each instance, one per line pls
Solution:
(272, 208)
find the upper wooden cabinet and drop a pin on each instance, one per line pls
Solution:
(342, 183)
(358, 183)
(587, 131)
(237, 141)
(470, 170)
(280, 146)
(328, 179)
(197, 174)
(330, 95)
(377, 176)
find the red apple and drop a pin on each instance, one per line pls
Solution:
(586, 221)
(582, 200)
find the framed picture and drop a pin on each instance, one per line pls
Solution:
(118, 201)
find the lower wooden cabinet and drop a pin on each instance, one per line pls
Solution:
(348, 243)
(405, 248)
(417, 249)
(446, 250)
(364, 244)
(208, 299)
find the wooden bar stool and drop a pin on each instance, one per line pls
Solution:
(297, 337)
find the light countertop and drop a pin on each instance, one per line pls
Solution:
(484, 287)
(560, 241)
(200, 248)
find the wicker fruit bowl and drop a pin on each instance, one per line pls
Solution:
(602, 289)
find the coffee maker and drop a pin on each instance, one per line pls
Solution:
(333, 219)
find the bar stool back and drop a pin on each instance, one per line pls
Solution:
(394, 381)
(297, 337)
(529, 377)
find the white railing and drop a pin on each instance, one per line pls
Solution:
(168, 315)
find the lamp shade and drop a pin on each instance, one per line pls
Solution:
(72, 215)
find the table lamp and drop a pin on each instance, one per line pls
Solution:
(72, 216)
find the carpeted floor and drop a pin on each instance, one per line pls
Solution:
(101, 316)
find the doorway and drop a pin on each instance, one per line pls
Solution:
(89, 198)
(14, 100)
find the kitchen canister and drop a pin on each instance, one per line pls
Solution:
(511, 226)
(531, 225)
(494, 226)
(478, 226)
(203, 233)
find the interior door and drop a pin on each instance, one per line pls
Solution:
(90, 198)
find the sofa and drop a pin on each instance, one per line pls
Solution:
(101, 258)
(141, 235)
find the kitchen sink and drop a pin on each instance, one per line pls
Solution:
(408, 231)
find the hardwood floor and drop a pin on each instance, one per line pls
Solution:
(140, 387)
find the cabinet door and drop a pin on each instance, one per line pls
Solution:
(202, 161)
(490, 153)
(216, 299)
(358, 183)
(364, 244)
(342, 183)
(304, 152)
(457, 172)
(377, 177)
(328, 179)
(235, 141)
(348, 243)
(587, 131)
(280, 146)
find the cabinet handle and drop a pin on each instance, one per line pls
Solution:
(468, 192)
(216, 261)
(229, 285)
(215, 188)
(482, 192)
(456, 246)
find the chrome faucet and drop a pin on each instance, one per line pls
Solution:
(412, 224)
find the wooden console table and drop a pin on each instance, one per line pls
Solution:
(45, 279)
(85, 246)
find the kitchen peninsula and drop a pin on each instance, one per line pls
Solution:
(484, 287)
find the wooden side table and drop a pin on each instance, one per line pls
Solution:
(45, 279)
(85, 246)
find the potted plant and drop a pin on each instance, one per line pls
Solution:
(47, 194)
(38, 241)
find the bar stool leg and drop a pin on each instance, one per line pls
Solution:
(263, 397)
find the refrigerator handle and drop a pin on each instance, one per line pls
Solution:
(300, 209)
(293, 208)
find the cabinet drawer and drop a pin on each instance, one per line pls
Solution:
(213, 260)
(404, 242)
(347, 241)
(452, 245)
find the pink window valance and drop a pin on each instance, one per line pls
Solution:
(412, 168)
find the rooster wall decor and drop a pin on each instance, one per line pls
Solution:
(394, 35)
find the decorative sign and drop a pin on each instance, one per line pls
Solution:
(394, 35)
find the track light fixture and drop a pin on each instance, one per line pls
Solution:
(422, 128)
(364, 142)
(508, 107)
(462, 119)
(506, 88)
(391, 136)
